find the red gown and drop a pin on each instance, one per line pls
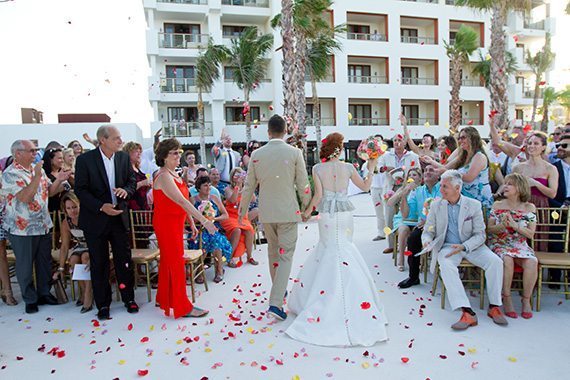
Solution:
(168, 223)
(232, 223)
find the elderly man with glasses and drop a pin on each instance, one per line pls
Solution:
(26, 189)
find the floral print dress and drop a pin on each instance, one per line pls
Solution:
(479, 188)
(509, 242)
(212, 242)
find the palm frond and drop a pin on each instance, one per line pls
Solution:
(466, 42)
(208, 65)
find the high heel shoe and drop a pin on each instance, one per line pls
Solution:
(526, 314)
(8, 298)
(510, 314)
(86, 309)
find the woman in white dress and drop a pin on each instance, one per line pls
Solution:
(334, 296)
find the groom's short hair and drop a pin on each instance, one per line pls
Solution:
(276, 125)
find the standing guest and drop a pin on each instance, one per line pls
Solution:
(225, 157)
(139, 200)
(240, 235)
(279, 186)
(26, 190)
(551, 149)
(542, 178)
(376, 191)
(446, 145)
(190, 161)
(397, 158)
(455, 230)
(77, 147)
(148, 161)
(7, 294)
(416, 206)
(252, 146)
(203, 172)
(74, 248)
(427, 146)
(213, 243)
(104, 183)
(515, 149)
(52, 165)
(171, 210)
(512, 222)
(69, 164)
(473, 164)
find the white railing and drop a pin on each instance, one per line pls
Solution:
(247, 3)
(417, 40)
(194, 2)
(366, 36)
(242, 122)
(418, 81)
(471, 82)
(536, 25)
(423, 1)
(327, 121)
(177, 85)
(182, 40)
(422, 121)
(370, 121)
(367, 79)
(181, 128)
(530, 94)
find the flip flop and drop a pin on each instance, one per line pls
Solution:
(201, 313)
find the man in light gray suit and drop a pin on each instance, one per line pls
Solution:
(455, 230)
(279, 170)
(225, 157)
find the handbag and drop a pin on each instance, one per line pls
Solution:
(60, 293)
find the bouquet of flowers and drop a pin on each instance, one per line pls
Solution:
(371, 148)
(427, 204)
(207, 210)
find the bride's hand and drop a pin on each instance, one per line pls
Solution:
(371, 164)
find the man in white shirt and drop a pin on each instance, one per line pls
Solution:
(376, 192)
(396, 158)
(225, 157)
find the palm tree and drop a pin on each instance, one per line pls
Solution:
(207, 72)
(483, 67)
(498, 78)
(249, 66)
(320, 49)
(539, 64)
(549, 97)
(458, 53)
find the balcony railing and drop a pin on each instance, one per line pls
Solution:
(471, 83)
(450, 2)
(230, 80)
(417, 40)
(423, 1)
(242, 122)
(182, 128)
(471, 121)
(367, 79)
(247, 3)
(419, 81)
(537, 25)
(368, 121)
(328, 79)
(366, 36)
(422, 121)
(530, 94)
(177, 85)
(182, 40)
(327, 121)
(194, 2)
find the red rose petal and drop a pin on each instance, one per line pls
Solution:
(144, 339)
(122, 286)
(281, 251)
(405, 359)
(142, 372)
(130, 327)
(365, 305)
(442, 357)
(407, 253)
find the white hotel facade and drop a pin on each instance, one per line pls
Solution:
(393, 60)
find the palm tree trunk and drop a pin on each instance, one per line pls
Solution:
(289, 67)
(301, 53)
(316, 115)
(202, 128)
(498, 80)
(247, 116)
(456, 65)
(535, 98)
(545, 116)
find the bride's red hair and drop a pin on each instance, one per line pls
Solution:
(330, 143)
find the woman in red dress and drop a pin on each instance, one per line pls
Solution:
(240, 236)
(171, 210)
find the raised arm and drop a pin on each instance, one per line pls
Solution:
(365, 184)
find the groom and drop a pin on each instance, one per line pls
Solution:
(279, 170)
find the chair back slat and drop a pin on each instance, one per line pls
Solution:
(141, 228)
(552, 227)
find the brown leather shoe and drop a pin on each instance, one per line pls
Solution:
(467, 320)
(497, 316)
(388, 250)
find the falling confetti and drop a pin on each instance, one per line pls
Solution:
(387, 230)
(365, 305)
(555, 215)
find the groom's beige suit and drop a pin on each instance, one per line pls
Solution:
(279, 170)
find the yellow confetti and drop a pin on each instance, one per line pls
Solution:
(151, 327)
(270, 346)
(427, 124)
(121, 362)
(349, 116)
(179, 341)
(488, 57)
(255, 121)
(384, 147)
(147, 364)
(410, 180)
(249, 330)
(512, 359)
(387, 230)
(296, 377)
(208, 349)
(365, 365)
(550, 139)
(472, 350)
(430, 228)
(555, 215)
(56, 331)
(251, 341)
(514, 135)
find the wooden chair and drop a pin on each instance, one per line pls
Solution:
(194, 261)
(141, 228)
(557, 232)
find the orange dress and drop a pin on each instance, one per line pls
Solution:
(168, 223)
(232, 223)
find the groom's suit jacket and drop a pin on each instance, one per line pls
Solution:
(279, 170)
(471, 226)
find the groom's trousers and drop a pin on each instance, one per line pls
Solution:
(281, 241)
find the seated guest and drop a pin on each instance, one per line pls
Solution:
(416, 206)
(53, 166)
(511, 223)
(203, 172)
(74, 248)
(240, 235)
(252, 146)
(26, 189)
(552, 149)
(455, 230)
(215, 244)
(403, 225)
(139, 200)
(215, 178)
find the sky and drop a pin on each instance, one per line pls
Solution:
(89, 56)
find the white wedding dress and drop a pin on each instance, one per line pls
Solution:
(334, 296)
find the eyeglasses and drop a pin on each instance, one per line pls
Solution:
(55, 150)
(557, 134)
(175, 153)
(563, 146)
(76, 146)
(462, 138)
(31, 150)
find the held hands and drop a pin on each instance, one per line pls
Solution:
(456, 249)
(120, 193)
(110, 210)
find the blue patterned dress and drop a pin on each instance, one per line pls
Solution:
(479, 188)
(216, 241)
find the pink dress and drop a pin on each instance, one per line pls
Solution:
(540, 200)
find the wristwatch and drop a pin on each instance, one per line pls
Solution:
(60, 269)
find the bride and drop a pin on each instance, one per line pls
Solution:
(334, 296)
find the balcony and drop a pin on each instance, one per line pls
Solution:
(417, 40)
(193, 2)
(529, 94)
(326, 121)
(182, 40)
(419, 81)
(177, 85)
(186, 129)
(421, 112)
(366, 27)
(370, 121)
(421, 31)
(472, 112)
(422, 121)
(368, 112)
(419, 72)
(477, 27)
(247, 3)
(534, 25)
(366, 36)
(367, 79)
(422, 1)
